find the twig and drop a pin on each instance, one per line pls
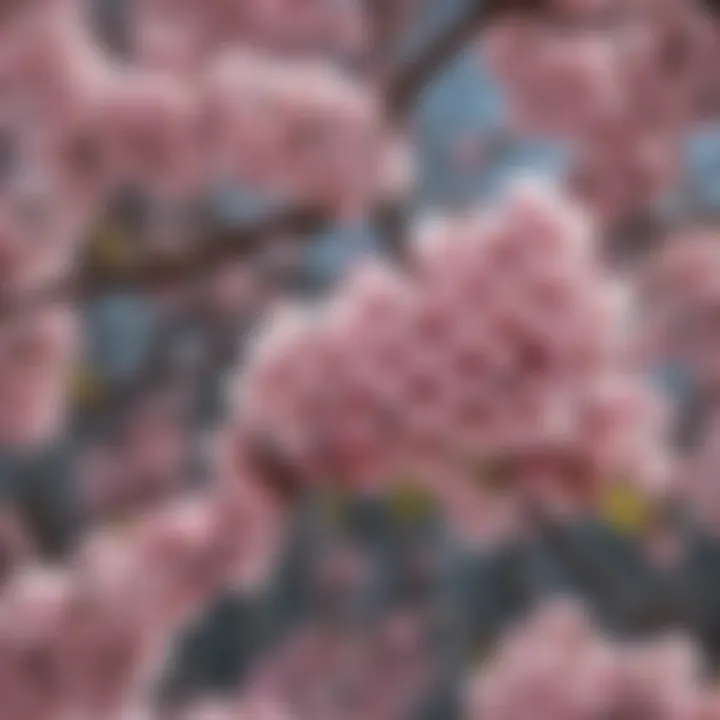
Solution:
(585, 566)
(279, 475)
(168, 269)
(665, 607)
(408, 81)
(386, 20)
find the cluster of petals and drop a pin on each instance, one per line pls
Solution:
(86, 639)
(78, 124)
(254, 708)
(622, 80)
(184, 35)
(332, 674)
(143, 463)
(329, 673)
(681, 306)
(38, 351)
(699, 478)
(498, 362)
(556, 664)
(300, 128)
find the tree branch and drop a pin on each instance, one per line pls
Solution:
(169, 269)
(408, 81)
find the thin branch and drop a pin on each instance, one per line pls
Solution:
(665, 607)
(407, 82)
(595, 575)
(279, 475)
(386, 20)
(169, 269)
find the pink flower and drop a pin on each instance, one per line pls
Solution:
(622, 82)
(556, 665)
(490, 354)
(37, 355)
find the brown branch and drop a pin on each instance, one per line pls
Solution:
(713, 6)
(595, 575)
(279, 475)
(388, 19)
(407, 82)
(666, 606)
(168, 269)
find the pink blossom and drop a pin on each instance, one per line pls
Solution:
(492, 366)
(331, 674)
(146, 462)
(301, 130)
(556, 664)
(698, 479)
(182, 37)
(680, 293)
(622, 82)
(37, 355)
(83, 640)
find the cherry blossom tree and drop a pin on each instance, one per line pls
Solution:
(486, 375)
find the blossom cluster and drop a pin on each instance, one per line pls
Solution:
(145, 462)
(379, 671)
(38, 351)
(621, 80)
(555, 664)
(84, 639)
(93, 123)
(498, 362)
(679, 289)
(79, 124)
(171, 35)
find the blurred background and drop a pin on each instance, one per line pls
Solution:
(154, 382)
